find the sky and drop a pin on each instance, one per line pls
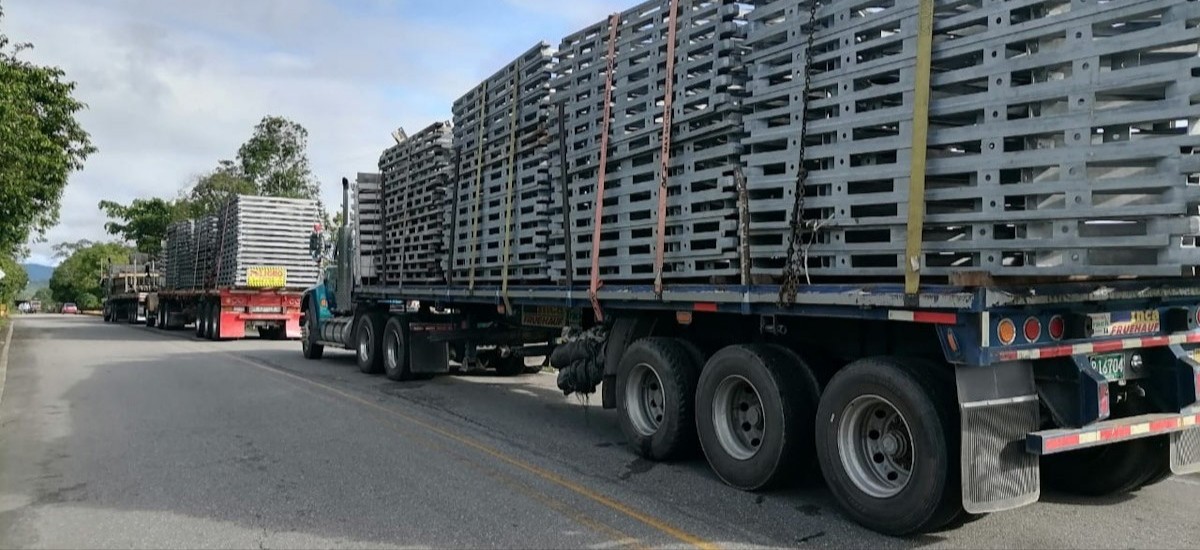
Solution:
(174, 86)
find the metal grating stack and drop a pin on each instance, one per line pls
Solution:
(266, 232)
(1064, 136)
(415, 175)
(206, 235)
(368, 215)
(179, 250)
(503, 174)
(709, 78)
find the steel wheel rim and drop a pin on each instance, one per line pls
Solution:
(364, 343)
(738, 417)
(392, 351)
(876, 446)
(645, 400)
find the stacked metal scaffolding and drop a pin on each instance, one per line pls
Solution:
(695, 56)
(368, 213)
(502, 191)
(270, 232)
(1063, 140)
(416, 174)
(178, 252)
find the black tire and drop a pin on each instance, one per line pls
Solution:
(1161, 458)
(201, 319)
(308, 341)
(927, 432)
(395, 350)
(512, 365)
(214, 322)
(151, 319)
(1113, 469)
(755, 408)
(658, 431)
(368, 342)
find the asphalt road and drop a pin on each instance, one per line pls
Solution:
(119, 436)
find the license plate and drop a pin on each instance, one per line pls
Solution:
(1118, 323)
(266, 309)
(1110, 366)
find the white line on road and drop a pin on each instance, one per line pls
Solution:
(4, 357)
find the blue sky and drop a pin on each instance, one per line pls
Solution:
(175, 86)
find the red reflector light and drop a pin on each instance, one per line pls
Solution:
(1102, 394)
(1033, 329)
(1058, 327)
(1006, 331)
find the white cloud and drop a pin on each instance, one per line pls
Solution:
(173, 87)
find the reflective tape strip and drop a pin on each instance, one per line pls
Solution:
(1117, 433)
(929, 317)
(1105, 346)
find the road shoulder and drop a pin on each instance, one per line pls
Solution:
(5, 343)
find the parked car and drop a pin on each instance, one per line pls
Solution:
(70, 308)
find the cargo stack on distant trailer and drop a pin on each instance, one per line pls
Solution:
(126, 288)
(240, 270)
(941, 252)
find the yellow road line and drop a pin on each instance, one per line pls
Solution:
(556, 479)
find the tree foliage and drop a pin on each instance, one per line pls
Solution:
(211, 190)
(77, 278)
(14, 281)
(41, 144)
(273, 162)
(275, 159)
(144, 221)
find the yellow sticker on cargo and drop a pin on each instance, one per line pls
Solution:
(266, 277)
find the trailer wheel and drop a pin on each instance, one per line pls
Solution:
(1109, 469)
(395, 350)
(201, 319)
(368, 342)
(214, 323)
(888, 446)
(755, 407)
(504, 366)
(151, 320)
(656, 385)
(308, 333)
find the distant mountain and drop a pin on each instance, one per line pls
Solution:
(38, 273)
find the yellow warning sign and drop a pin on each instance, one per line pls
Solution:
(266, 277)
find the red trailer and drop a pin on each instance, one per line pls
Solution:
(229, 313)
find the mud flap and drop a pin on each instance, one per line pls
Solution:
(999, 408)
(426, 356)
(1185, 452)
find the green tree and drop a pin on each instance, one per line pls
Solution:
(275, 159)
(77, 278)
(210, 191)
(14, 281)
(44, 295)
(41, 144)
(144, 221)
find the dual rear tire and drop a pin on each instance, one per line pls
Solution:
(887, 440)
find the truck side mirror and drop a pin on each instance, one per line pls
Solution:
(315, 245)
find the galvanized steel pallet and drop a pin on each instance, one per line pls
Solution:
(267, 232)
(1064, 136)
(502, 191)
(368, 217)
(415, 175)
(706, 131)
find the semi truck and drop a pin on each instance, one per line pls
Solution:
(126, 288)
(238, 272)
(939, 254)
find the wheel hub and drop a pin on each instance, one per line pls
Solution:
(738, 417)
(645, 399)
(876, 446)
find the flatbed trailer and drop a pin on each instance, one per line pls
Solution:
(228, 313)
(128, 307)
(921, 410)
